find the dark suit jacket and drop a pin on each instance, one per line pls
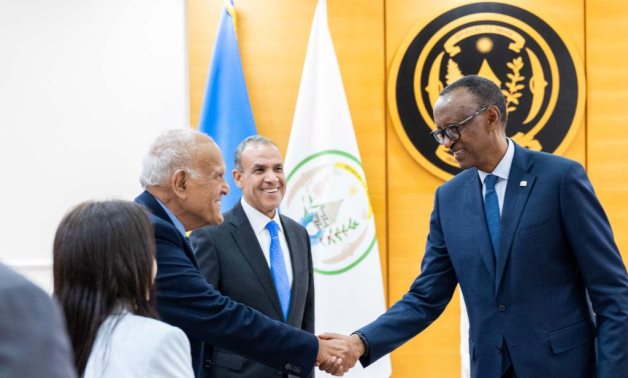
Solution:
(230, 257)
(556, 246)
(187, 301)
(33, 338)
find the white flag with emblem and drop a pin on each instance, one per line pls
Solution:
(327, 193)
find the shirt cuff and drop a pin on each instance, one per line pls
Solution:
(364, 341)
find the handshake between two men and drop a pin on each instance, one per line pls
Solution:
(338, 353)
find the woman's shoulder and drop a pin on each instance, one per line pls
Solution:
(143, 322)
(136, 345)
(148, 327)
(168, 353)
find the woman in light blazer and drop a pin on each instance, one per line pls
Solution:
(104, 270)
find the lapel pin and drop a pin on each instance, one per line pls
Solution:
(523, 183)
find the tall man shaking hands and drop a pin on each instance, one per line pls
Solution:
(525, 236)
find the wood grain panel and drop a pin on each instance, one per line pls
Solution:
(202, 23)
(607, 136)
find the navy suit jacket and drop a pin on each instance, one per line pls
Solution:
(230, 257)
(186, 300)
(556, 251)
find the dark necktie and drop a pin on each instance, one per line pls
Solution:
(188, 242)
(491, 209)
(278, 268)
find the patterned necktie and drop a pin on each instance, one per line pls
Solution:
(491, 209)
(278, 268)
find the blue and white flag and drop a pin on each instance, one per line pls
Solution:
(226, 114)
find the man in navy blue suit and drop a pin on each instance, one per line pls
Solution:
(524, 235)
(183, 174)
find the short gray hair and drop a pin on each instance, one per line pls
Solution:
(171, 151)
(253, 139)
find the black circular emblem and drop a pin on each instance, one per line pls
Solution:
(537, 70)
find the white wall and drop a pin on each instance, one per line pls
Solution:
(85, 85)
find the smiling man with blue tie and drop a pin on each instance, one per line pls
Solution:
(525, 236)
(257, 256)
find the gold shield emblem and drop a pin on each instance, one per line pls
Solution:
(538, 71)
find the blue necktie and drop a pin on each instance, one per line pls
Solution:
(278, 268)
(491, 209)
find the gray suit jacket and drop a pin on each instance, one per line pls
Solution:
(230, 257)
(33, 339)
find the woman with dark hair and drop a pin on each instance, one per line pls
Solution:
(104, 270)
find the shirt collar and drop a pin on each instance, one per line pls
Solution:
(503, 168)
(174, 219)
(257, 219)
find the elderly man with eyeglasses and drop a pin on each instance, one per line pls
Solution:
(525, 236)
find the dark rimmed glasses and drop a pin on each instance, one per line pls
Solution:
(453, 131)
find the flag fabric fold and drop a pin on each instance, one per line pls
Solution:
(327, 193)
(226, 114)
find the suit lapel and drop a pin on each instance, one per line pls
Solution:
(475, 216)
(150, 202)
(519, 187)
(247, 243)
(187, 247)
(299, 263)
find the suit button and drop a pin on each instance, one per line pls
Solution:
(208, 363)
(501, 308)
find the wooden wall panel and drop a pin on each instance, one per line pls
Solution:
(607, 117)
(202, 23)
(436, 353)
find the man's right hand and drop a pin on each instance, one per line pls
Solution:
(339, 352)
(331, 356)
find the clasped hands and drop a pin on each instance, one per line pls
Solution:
(338, 353)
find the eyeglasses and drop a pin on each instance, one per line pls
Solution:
(453, 131)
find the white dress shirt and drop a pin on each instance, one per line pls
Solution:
(502, 171)
(258, 222)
